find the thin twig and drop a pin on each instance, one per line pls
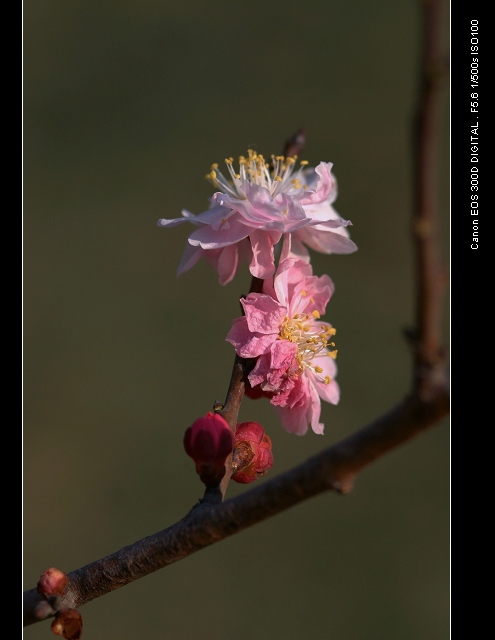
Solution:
(430, 274)
(230, 409)
(295, 144)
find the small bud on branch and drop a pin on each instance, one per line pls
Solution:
(68, 624)
(52, 582)
(252, 456)
(208, 441)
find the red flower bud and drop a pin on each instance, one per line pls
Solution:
(209, 441)
(68, 624)
(252, 455)
(52, 582)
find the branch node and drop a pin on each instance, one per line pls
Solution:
(213, 495)
(344, 485)
(422, 228)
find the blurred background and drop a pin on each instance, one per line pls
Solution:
(126, 105)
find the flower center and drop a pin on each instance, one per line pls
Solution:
(312, 339)
(277, 175)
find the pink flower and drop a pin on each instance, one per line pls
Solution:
(294, 349)
(259, 205)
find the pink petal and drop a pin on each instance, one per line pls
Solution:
(334, 223)
(327, 241)
(281, 282)
(263, 262)
(293, 420)
(263, 313)
(295, 248)
(261, 211)
(317, 290)
(246, 343)
(164, 222)
(329, 392)
(289, 274)
(189, 258)
(227, 264)
(325, 213)
(261, 370)
(187, 216)
(215, 217)
(292, 214)
(324, 186)
(283, 354)
(315, 411)
(286, 247)
(239, 333)
(208, 238)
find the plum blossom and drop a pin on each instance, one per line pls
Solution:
(295, 351)
(255, 208)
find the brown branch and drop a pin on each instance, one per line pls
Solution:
(430, 274)
(230, 410)
(333, 469)
(295, 144)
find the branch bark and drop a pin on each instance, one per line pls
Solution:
(333, 469)
(430, 273)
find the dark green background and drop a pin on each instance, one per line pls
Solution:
(126, 106)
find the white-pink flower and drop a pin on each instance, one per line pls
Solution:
(258, 205)
(294, 349)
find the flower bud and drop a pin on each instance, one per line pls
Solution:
(252, 455)
(52, 582)
(68, 624)
(208, 441)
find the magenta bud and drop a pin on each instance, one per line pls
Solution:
(208, 441)
(252, 455)
(52, 582)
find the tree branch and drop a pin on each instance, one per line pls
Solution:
(332, 469)
(335, 468)
(430, 273)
